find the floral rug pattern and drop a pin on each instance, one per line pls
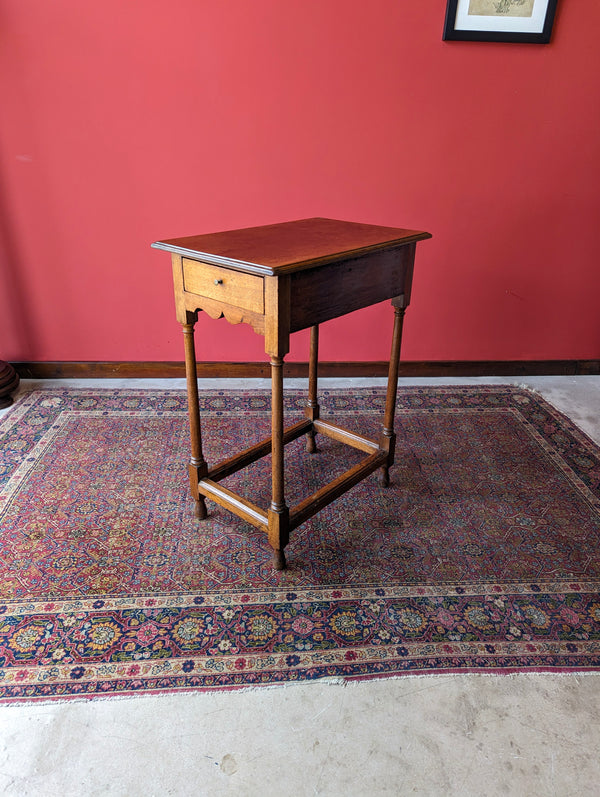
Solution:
(483, 554)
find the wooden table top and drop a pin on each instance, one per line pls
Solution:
(290, 246)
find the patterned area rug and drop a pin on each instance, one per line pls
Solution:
(483, 554)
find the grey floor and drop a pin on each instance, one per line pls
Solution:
(462, 735)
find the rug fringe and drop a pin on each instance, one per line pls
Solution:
(340, 681)
(513, 674)
(528, 388)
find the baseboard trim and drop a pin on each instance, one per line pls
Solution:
(250, 370)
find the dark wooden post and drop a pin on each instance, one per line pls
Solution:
(9, 382)
(312, 405)
(387, 439)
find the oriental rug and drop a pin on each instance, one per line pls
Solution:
(482, 555)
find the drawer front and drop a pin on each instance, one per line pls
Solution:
(224, 285)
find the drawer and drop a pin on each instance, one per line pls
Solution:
(224, 285)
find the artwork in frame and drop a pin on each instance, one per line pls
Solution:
(527, 21)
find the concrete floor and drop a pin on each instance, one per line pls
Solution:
(524, 735)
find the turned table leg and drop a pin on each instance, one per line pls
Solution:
(387, 438)
(197, 467)
(312, 406)
(278, 512)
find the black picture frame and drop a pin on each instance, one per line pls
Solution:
(487, 30)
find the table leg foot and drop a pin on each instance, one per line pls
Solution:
(200, 508)
(384, 476)
(279, 562)
(311, 446)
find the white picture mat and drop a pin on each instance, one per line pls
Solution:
(502, 24)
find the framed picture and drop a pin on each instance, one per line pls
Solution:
(528, 21)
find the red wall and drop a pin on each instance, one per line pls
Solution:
(123, 122)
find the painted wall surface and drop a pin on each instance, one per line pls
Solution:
(127, 121)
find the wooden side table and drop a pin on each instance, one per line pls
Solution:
(282, 278)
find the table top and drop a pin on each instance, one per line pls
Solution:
(283, 248)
